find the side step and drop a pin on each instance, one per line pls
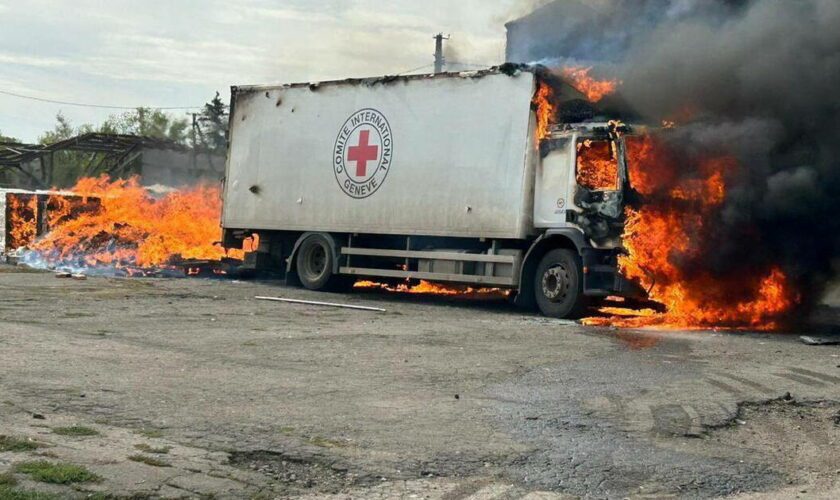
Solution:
(452, 278)
(487, 266)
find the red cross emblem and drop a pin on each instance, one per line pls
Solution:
(363, 153)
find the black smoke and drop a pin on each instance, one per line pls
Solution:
(601, 30)
(755, 79)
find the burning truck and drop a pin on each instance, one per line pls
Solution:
(503, 178)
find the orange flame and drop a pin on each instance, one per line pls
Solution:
(545, 110)
(428, 288)
(594, 90)
(658, 237)
(597, 168)
(128, 227)
(23, 220)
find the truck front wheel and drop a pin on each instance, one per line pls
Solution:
(558, 284)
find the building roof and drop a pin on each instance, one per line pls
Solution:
(16, 154)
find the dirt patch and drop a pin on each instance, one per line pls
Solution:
(798, 438)
(301, 475)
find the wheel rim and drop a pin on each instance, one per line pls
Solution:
(315, 261)
(555, 283)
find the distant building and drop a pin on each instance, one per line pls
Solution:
(154, 161)
(174, 167)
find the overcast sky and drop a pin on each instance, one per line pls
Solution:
(179, 52)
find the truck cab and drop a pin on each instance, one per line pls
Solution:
(579, 194)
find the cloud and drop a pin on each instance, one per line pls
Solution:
(23, 60)
(168, 53)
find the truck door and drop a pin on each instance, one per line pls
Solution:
(551, 187)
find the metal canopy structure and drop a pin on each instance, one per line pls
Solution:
(118, 151)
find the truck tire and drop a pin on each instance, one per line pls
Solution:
(315, 262)
(558, 285)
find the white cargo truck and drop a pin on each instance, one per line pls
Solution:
(443, 178)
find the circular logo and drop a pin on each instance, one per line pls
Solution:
(362, 154)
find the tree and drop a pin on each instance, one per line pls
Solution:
(213, 125)
(4, 138)
(63, 168)
(147, 123)
(63, 130)
(7, 178)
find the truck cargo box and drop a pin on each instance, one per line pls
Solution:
(435, 155)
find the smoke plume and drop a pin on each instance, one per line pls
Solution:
(755, 80)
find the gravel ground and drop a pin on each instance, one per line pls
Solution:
(434, 398)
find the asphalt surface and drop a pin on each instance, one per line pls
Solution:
(434, 398)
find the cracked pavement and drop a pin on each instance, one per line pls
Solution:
(435, 398)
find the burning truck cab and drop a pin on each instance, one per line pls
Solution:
(500, 178)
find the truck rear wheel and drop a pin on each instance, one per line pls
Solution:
(315, 263)
(558, 284)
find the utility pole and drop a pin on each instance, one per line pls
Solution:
(194, 126)
(194, 140)
(440, 61)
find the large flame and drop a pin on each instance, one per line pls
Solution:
(23, 220)
(120, 224)
(545, 110)
(594, 90)
(545, 103)
(597, 167)
(666, 233)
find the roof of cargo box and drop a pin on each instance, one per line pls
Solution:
(509, 69)
(577, 108)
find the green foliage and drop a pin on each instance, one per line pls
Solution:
(7, 479)
(63, 130)
(148, 123)
(7, 493)
(5, 138)
(64, 168)
(56, 472)
(213, 123)
(13, 444)
(75, 431)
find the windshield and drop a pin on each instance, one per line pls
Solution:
(597, 165)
